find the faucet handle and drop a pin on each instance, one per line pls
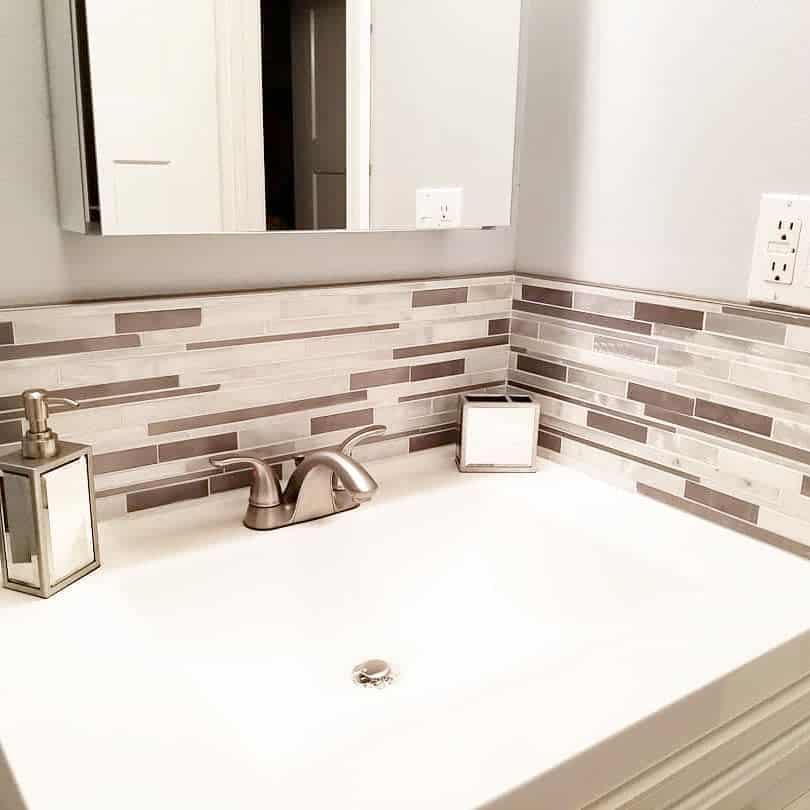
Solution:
(351, 442)
(265, 490)
(364, 433)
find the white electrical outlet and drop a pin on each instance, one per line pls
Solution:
(439, 208)
(780, 269)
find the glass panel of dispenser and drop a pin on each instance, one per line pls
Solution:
(19, 529)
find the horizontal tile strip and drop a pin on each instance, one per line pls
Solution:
(628, 456)
(375, 379)
(462, 389)
(806, 486)
(429, 371)
(341, 421)
(249, 341)
(125, 459)
(158, 319)
(635, 327)
(87, 392)
(256, 412)
(542, 368)
(672, 316)
(549, 441)
(431, 440)
(450, 346)
(619, 427)
(147, 397)
(734, 417)
(52, 348)
(10, 431)
(436, 298)
(193, 448)
(274, 459)
(659, 398)
(769, 315)
(548, 295)
(730, 434)
(499, 326)
(725, 520)
(6, 332)
(163, 496)
(627, 417)
(722, 502)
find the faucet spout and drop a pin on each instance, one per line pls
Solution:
(355, 478)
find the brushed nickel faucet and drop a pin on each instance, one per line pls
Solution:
(324, 483)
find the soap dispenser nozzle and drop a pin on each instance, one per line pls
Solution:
(39, 440)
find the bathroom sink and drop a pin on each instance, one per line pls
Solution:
(527, 619)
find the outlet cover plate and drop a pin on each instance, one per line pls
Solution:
(780, 267)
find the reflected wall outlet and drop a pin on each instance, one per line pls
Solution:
(439, 208)
(780, 268)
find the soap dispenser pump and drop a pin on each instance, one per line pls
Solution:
(48, 529)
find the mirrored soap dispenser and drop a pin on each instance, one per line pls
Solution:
(48, 531)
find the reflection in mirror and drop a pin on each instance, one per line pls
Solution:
(304, 99)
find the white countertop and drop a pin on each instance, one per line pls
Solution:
(531, 617)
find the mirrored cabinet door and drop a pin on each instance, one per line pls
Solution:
(217, 116)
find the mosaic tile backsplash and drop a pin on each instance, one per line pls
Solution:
(702, 405)
(166, 384)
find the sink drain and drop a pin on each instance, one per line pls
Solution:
(375, 673)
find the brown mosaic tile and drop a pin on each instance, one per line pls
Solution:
(463, 389)
(430, 440)
(257, 412)
(673, 316)
(341, 421)
(543, 368)
(375, 379)
(10, 431)
(549, 441)
(728, 521)
(734, 417)
(6, 332)
(87, 392)
(156, 320)
(192, 448)
(448, 368)
(319, 333)
(52, 348)
(499, 326)
(730, 434)
(125, 459)
(722, 502)
(547, 295)
(450, 346)
(806, 486)
(163, 496)
(618, 427)
(636, 327)
(437, 298)
(661, 399)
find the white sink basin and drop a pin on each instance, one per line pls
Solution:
(529, 617)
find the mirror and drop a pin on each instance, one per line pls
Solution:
(216, 116)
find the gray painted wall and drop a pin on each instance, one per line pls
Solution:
(651, 131)
(42, 264)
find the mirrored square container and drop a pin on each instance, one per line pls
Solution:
(48, 530)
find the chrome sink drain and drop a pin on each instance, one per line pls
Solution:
(375, 673)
